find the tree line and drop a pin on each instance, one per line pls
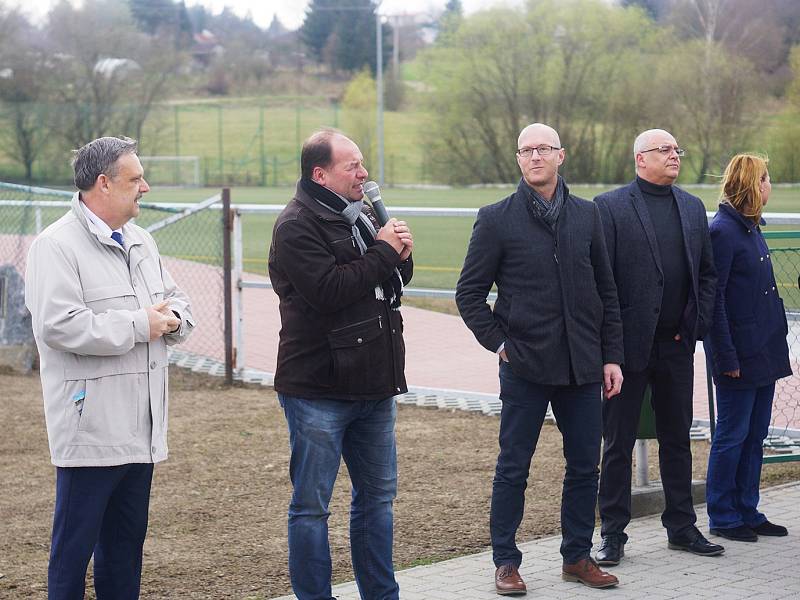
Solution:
(721, 74)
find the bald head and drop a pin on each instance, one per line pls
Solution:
(657, 156)
(539, 131)
(540, 168)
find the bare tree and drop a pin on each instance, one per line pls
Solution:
(715, 95)
(108, 73)
(22, 84)
(754, 30)
(579, 65)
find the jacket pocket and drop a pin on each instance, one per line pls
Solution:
(110, 297)
(78, 366)
(110, 412)
(361, 358)
(344, 249)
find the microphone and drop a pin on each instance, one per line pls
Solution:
(373, 192)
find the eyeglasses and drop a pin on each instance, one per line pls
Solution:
(543, 150)
(666, 149)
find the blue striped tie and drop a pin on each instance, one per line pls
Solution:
(117, 237)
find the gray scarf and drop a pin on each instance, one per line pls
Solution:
(364, 233)
(547, 210)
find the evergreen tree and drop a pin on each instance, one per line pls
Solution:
(654, 8)
(341, 34)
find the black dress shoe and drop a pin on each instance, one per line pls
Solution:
(611, 550)
(767, 528)
(738, 534)
(694, 542)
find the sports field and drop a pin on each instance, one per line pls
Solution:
(440, 242)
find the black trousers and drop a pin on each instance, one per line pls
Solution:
(577, 412)
(670, 373)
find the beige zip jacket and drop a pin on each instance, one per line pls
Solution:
(104, 384)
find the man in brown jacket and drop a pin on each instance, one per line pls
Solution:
(339, 277)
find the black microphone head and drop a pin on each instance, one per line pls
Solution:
(372, 190)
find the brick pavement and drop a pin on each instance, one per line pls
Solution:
(764, 570)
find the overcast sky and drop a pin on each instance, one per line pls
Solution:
(290, 12)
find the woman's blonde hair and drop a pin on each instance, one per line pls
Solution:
(741, 184)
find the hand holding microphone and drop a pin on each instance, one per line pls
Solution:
(395, 232)
(373, 193)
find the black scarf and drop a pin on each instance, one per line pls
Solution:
(364, 226)
(547, 210)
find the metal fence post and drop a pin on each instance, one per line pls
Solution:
(220, 151)
(227, 292)
(238, 269)
(178, 146)
(261, 155)
(642, 477)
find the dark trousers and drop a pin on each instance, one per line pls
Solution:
(670, 374)
(100, 511)
(577, 412)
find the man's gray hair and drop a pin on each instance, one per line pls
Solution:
(643, 139)
(99, 156)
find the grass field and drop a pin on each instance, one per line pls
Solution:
(256, 140)
(440, 242)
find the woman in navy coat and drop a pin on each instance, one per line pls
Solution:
(748, 351)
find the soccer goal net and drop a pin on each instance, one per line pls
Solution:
(180, 171)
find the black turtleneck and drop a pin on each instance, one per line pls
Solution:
(663, 210)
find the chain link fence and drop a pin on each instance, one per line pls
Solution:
(786, 406)
(228, 142)
(189, 237)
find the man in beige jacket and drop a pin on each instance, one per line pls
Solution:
(104, 309)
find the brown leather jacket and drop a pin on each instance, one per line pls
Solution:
(337, 341)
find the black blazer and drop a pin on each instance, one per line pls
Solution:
(635, 259)
(557, 305)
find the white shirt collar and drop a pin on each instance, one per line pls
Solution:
(105, 230)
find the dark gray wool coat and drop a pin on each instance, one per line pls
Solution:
(557, 308)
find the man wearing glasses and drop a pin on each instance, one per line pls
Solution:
(659, 246)
(557, 332)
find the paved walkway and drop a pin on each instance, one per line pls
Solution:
(764, 570)
(443, 357)
(441, 353)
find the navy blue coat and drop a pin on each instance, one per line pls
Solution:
(749, 327)
(556, 308)
(636, 261)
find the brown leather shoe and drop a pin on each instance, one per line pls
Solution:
(588, 573)
(507, 581)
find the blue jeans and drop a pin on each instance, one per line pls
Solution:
(734, 464)
(321, 432)
(577, 410)
(100, 511)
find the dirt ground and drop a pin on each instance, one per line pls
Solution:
(218, 510)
